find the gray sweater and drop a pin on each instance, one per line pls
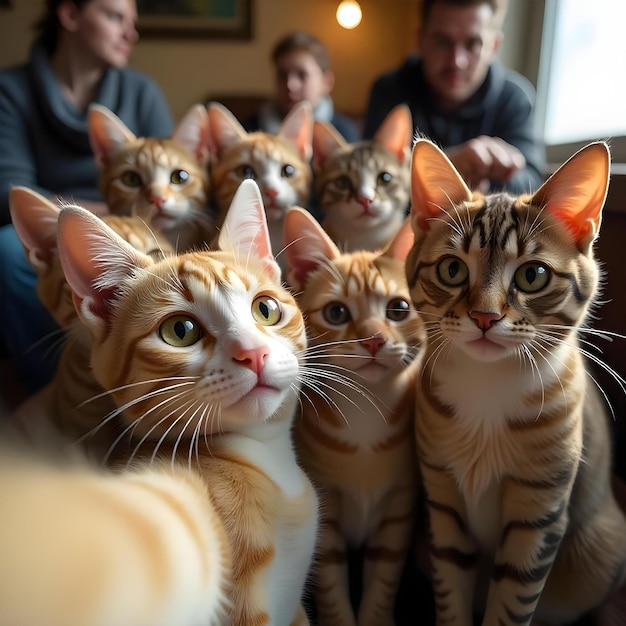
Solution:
(44, 143)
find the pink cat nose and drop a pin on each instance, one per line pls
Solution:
(253, 359)
(157, 201)
(484, 319)
(271, 193)
(373, 344)
(365, 202)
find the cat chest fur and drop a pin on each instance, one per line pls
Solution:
(285, 514)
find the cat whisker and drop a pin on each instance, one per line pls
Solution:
(186, 380)
(120, 409)
(535, 368)
(136, 422)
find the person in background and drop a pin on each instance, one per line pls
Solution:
(302, 67)
(461, 98)
(79, 57)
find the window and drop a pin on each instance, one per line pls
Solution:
(582, 76)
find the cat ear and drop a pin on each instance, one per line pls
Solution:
(35, 220)
(576, 192)
(307, 246)
(436, 185)
(107, 133)
(224, 129)
(193, 133)
(402, 243)
(396, 132)
(245, 232)
(95, 261)
(298, 128)
(326, 141)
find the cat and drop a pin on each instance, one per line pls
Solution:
(280, 164)
(163, 181)
(201, 353)
(363, 187)
(513, 441)
(355, 435)
(73, 403)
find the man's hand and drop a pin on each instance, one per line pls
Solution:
(486, 158)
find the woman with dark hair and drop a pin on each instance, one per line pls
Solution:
(79, 57)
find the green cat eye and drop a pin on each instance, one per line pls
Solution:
(336, 313)
(266, 311)
(452, 271)
(178, 177)
(131, 178)
(532, 277)
(288, 171)
(398, 310)
(180, 331)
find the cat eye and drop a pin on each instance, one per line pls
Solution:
(336, 313)
(343, 182)
(178, 177)
(247, 171)
(180, 331)
(398, 310)
(266, 311)
(288, 171)
(130, 178)
(384, 178)
(452, 271)
(531, 277)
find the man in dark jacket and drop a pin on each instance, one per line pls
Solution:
(480, 113)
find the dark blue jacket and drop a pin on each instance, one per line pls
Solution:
(44, 141)
(502, 107)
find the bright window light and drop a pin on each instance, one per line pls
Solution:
(582, 74)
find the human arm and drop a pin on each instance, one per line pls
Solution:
(506, 153)
(17, 161)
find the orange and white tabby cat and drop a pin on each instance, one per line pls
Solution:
(280, 164)
(512, 437)
(163, 181)
(355, 435)
(363, 187)
(73, 403)
(202, 351)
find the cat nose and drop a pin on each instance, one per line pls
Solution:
(271, 193)
(157, 201)
(484, 319)
(253, 358)
(365, 202)
(373, 344)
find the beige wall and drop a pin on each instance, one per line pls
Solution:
(189, 70)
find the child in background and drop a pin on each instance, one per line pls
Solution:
(303, 72)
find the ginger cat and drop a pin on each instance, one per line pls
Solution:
(163, 181)
(355, 434)
(202, 353)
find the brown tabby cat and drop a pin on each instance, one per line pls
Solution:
(202, 354)
(512, 438)
(163, 181)
(73, 403)
(280, 164)
(363, 187)
(355, 435)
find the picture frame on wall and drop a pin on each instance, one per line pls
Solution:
(198, 19)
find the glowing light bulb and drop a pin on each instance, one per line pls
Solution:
(349, 14)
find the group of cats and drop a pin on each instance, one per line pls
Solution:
(254, 422)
